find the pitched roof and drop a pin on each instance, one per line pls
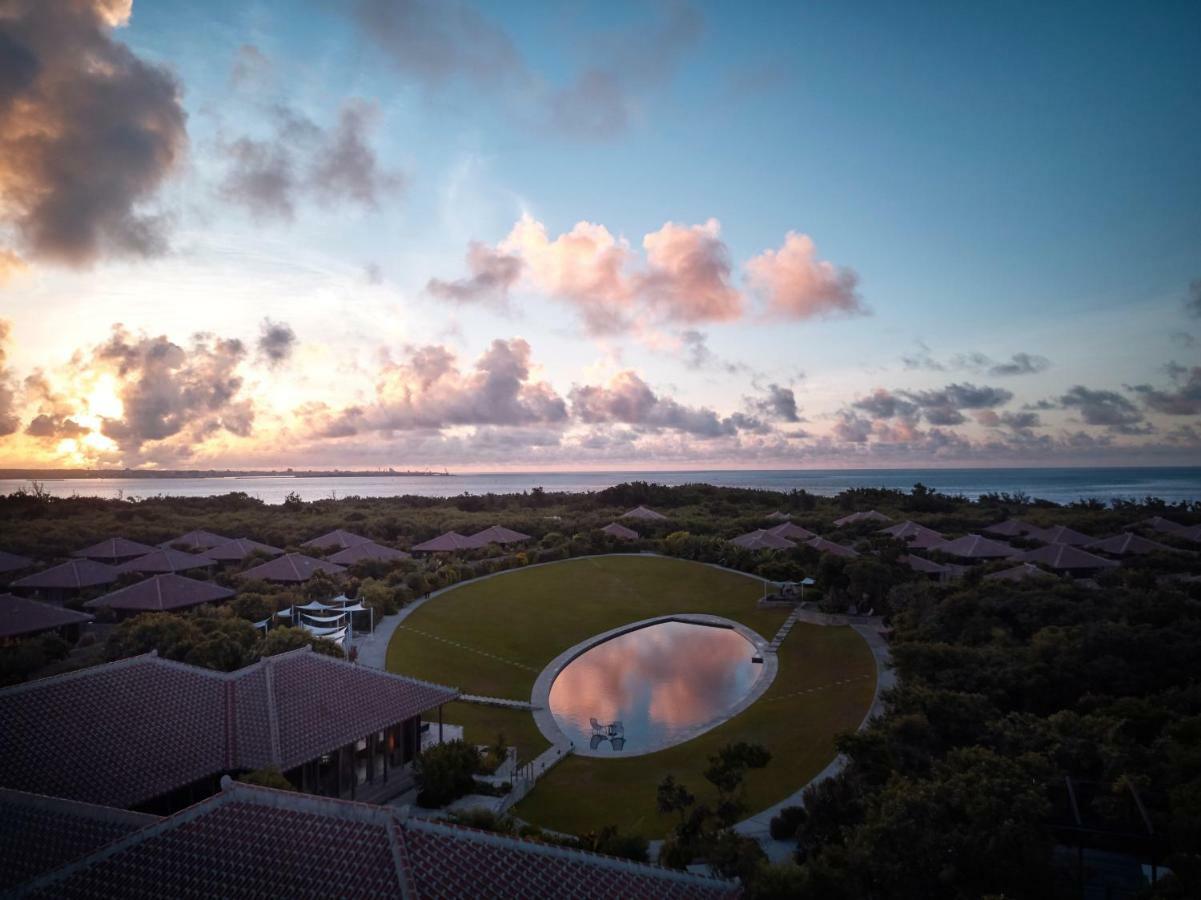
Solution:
(291, 567)
(792, 532)
(1192, 533)
(869, 516)
(642, 512)
(1011, 528)
(39, 834)
(20, 616)
(162, 593)
(762, 540)
(619, 531)
(1065, 557)
(114, 549)
(197, 540)
(498, 534)
(930, 567)
(1159, 523)
(336, 540)
(973, 546)
(446, 543)
(152, 725)
(778, 516)
(822, 545)
(240, 548)
(253, 841)
(1128, 544)
(915, 534)
(1061, 534)
(166, 561)
(369, 550)
(1020, 572)
(74, 574)
(11, 562)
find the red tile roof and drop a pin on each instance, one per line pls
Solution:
(1128, 544)
(1159, 523)
(823, 546)
(1061, 534)
(11, 562)
(614, 529)
(336, 540)
(1011, 528)
(446, 543)
(915, 535)
(369, 550)
(292, 567)
(498, 534)
(973, 546)
(21, 616)
(74, 574)
(39, 834)
(249, 841)
(196, 541)
(792, 532)
(1021, 572)
(239, 548)
(162, 593)
(114, 549)
(930, 567)
(869, 516)
(1065, 557)
(642, 512)
(144, 726)
(165, 561)
(762, 540)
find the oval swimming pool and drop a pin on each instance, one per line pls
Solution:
(653, 687)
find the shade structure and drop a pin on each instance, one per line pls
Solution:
(973, 546)
(792, 532)
(1066, 558)
(292, 568)
(1128, 544)
(446, 543)
(870, 515)
(165, 561)
(1159, 523)
(11, 562)
(114, 550)
(642, 512)
(335, 540)
(1023, 572)
(72, 575)
(1011, 528)
(162, 593)
(197, 541)
(370, 550)
(1061, 534)
(821, 545)
(616, 530)
(20, 616)
(915, 535)
(240, 548)
(762, 540)
(498, 534)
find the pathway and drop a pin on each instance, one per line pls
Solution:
(499, 701)
(783, 632)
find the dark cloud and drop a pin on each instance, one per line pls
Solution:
(270, 176)
(52, 421)
(629, 400)
(493, 273)
(1021, 364)
(88, 133)
(276, 342)
(167, 390)
(1183, 339)
(1184, 399)
(939, 407)
(1018, 364)
(1015, 421)
(1105, 408)
(883, 404)
(779, 403)
(9, 422)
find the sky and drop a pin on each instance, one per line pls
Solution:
(494, 236)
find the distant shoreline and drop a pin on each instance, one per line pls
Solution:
(35, 474)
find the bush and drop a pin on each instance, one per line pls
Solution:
(486, 820)
(269, 777)
(784, 824)
(445, 773)
(21, 659)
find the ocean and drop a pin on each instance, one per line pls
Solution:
(1058, 485)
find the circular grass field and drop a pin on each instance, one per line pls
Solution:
(492, 637)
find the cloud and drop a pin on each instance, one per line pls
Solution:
(884, 404)
(493, 273)
(1183, 400)
(9, 422)
(1021, 364)
(797, 285)
(11, 265)
(1105, 408)
(943, 407)
(629, 400)
(1192, 303)
(779, 404)
(687, 277)
(52, 421)
(270, 176)
(1018, 364)
(88, 133)
(276, 342)
(250, 66)
(427, 389)
(166, 390)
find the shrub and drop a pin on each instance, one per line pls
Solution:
(269, 777)
(445, 772)
(784, 824)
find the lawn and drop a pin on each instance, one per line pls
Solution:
(493, 637)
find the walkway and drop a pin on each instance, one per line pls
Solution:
(783, 632)
(499, 701)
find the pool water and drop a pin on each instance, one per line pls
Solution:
(664, 683)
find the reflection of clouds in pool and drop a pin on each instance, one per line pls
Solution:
(659, 680)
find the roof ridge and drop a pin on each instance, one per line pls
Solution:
(395, 676)
(272, 715)
(400, 858)
(82, 808)
(61, 677)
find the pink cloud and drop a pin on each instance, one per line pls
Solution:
(687, 278)
(797, 285)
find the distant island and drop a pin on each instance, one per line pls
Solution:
(34, 474)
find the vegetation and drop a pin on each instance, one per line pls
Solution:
(270, 777)
(445, 772)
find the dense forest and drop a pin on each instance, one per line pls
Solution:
(1039, 730)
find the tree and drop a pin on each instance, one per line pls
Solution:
(445, 772)
(281, 640)
(673, 797)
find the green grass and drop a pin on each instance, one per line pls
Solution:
(497, 635)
